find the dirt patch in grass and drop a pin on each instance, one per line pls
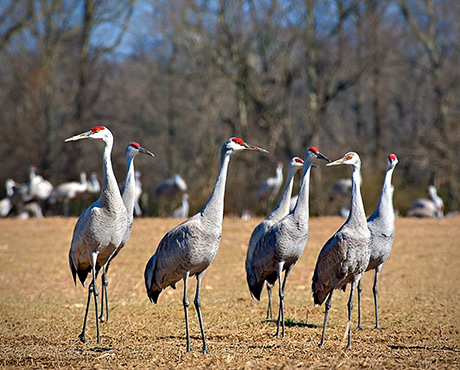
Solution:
(41, 312)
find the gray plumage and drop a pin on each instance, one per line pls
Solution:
(280, 247)
(101, 228)
(189, 248)
(128, 194)
(345, 256)
(381, 225)
(281, 210)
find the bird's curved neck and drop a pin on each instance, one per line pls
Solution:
(301, 209)
(214, 208)
(282, 208)
(130, 185)
(110, 194)
(385, 207)
(357, 214)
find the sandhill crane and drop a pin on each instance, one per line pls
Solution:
(68, 191)
(93, 184)
(189, 248)
(171, 187)
(270, 187)
(128, 194)
(282, 245)
(39, 188)
(182, 211)
(101, 228)
(437, 200)
(281, 210)
(5, 204)
(427, 208)
(381, 225)
(345, 256)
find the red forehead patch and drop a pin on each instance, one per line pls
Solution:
(97, 129)
(135, 145)
(298, 160)
(238, 141)
(392, 157)
(313, 149)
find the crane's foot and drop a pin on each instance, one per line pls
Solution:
(377, 327)
(205, 350)
(82, 337)
(359, 327)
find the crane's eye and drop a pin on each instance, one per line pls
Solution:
(349, 157)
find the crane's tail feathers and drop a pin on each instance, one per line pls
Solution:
(320, 291)
(82, 274)
(255, 286)
(149, 279)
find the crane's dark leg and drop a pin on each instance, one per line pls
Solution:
(104, 293)
(326, 314)
(350, 309)
(82, 334)
(359, 306)
(375, 290)
(279, 272)
(269, 309)
(95, 293)
(186, 303)
(198, 309)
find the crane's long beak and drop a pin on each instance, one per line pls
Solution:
(335, 163)
(256, 148)
(322, 156)
(84, 135)
(145, 151)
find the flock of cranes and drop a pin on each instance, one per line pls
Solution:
(276, 244)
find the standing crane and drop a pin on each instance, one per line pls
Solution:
(281, 210)
(189, 248)
(128, 195)
(182, 211)
(101, 228)
(271, 186)
(171, 187)
(345, 256)
(437, 200)
(5, 204)
(282, 245)
(428, 208)
(39, 188)
(381, 225)
(68, 191)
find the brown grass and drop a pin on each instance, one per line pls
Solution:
(42, 312)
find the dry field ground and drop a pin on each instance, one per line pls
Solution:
(41, 311)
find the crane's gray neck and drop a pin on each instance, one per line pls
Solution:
(130, 186)
(385, 209)
(282, 208)
(110, 195)
(357, 215)
(214, 208)
(301, 209)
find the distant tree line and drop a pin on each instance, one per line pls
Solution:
(374, 76)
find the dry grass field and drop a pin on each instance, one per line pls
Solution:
(41, 311)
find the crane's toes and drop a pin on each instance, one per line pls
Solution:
(359, 328)
(377, 327)
(82, 338)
